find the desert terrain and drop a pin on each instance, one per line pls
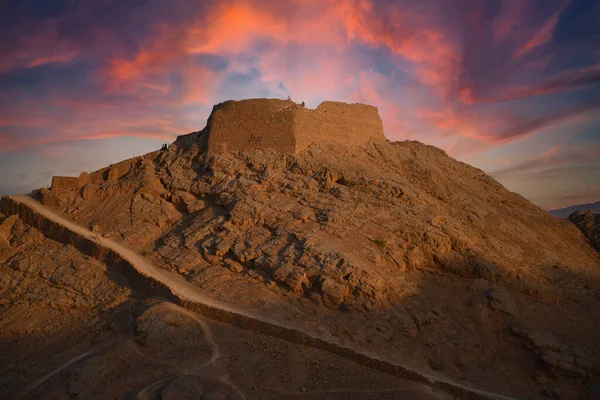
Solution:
(385, 270)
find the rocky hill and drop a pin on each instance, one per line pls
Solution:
(394, 248)
(73, 327)
(589, 223)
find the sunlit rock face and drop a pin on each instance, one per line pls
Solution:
(394, 248)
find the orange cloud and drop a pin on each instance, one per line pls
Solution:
(231, 27)
(35, 123)
(482, 131)
(12, 144)
(318, 31)
(63, 56)
(312, 50)
(572, 79)
(551, 151)
(411, 36)
(465, 96)
(452, 122)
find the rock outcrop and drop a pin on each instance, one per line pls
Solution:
(72, 328)
(589, 223)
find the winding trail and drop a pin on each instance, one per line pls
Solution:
(208, 336)
(33, 386)
(190, 297)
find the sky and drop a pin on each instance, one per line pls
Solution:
(508, 86)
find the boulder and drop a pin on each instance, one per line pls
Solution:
(440, 242)
(486, 270)
(557, 358)
(7, 225)
(333, 292)
(233, 265)
(501, 300)
(536, 338)
(293, 277)
(415, 258)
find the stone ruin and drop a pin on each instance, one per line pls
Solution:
(284, 126)
(264, 124)
(60, 183)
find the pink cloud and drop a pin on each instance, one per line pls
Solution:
(572, 79)
(551, 151)
(544, 35)
(560, 82)
(18, 144)
(413, 37)
(460, 121)
(317, 29)
(31, 123)
(43, 45)
(508, 23)
(555, 157)
(308, 48)
(478, 132)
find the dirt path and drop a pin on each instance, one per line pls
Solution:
(175, 282)
(192, 298)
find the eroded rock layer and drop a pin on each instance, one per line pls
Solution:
(395, 247)
(72, 327)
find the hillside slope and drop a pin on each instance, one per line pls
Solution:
(73, 327)
(395, 247)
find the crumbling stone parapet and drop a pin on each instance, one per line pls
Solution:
(286, 127)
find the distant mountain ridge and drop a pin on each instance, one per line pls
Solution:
(565, 212)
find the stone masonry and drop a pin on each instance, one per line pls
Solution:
(286, 127)
(264, 124)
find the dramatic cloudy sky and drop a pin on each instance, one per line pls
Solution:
(509, 86)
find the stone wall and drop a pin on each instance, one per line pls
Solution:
(348, 124)
(286, 127)
(251, 124)
(84, 179)
(60, 183)
(114, 172)
(111, 173)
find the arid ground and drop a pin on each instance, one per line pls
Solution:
(393, 251)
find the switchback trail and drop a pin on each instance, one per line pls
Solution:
(189, 296)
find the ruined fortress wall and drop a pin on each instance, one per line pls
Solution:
(84, 179)
(348, 124)
(116, 171)
(286, 127)
(64, 183)
(264, 124)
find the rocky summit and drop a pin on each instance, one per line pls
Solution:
(388, 251)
